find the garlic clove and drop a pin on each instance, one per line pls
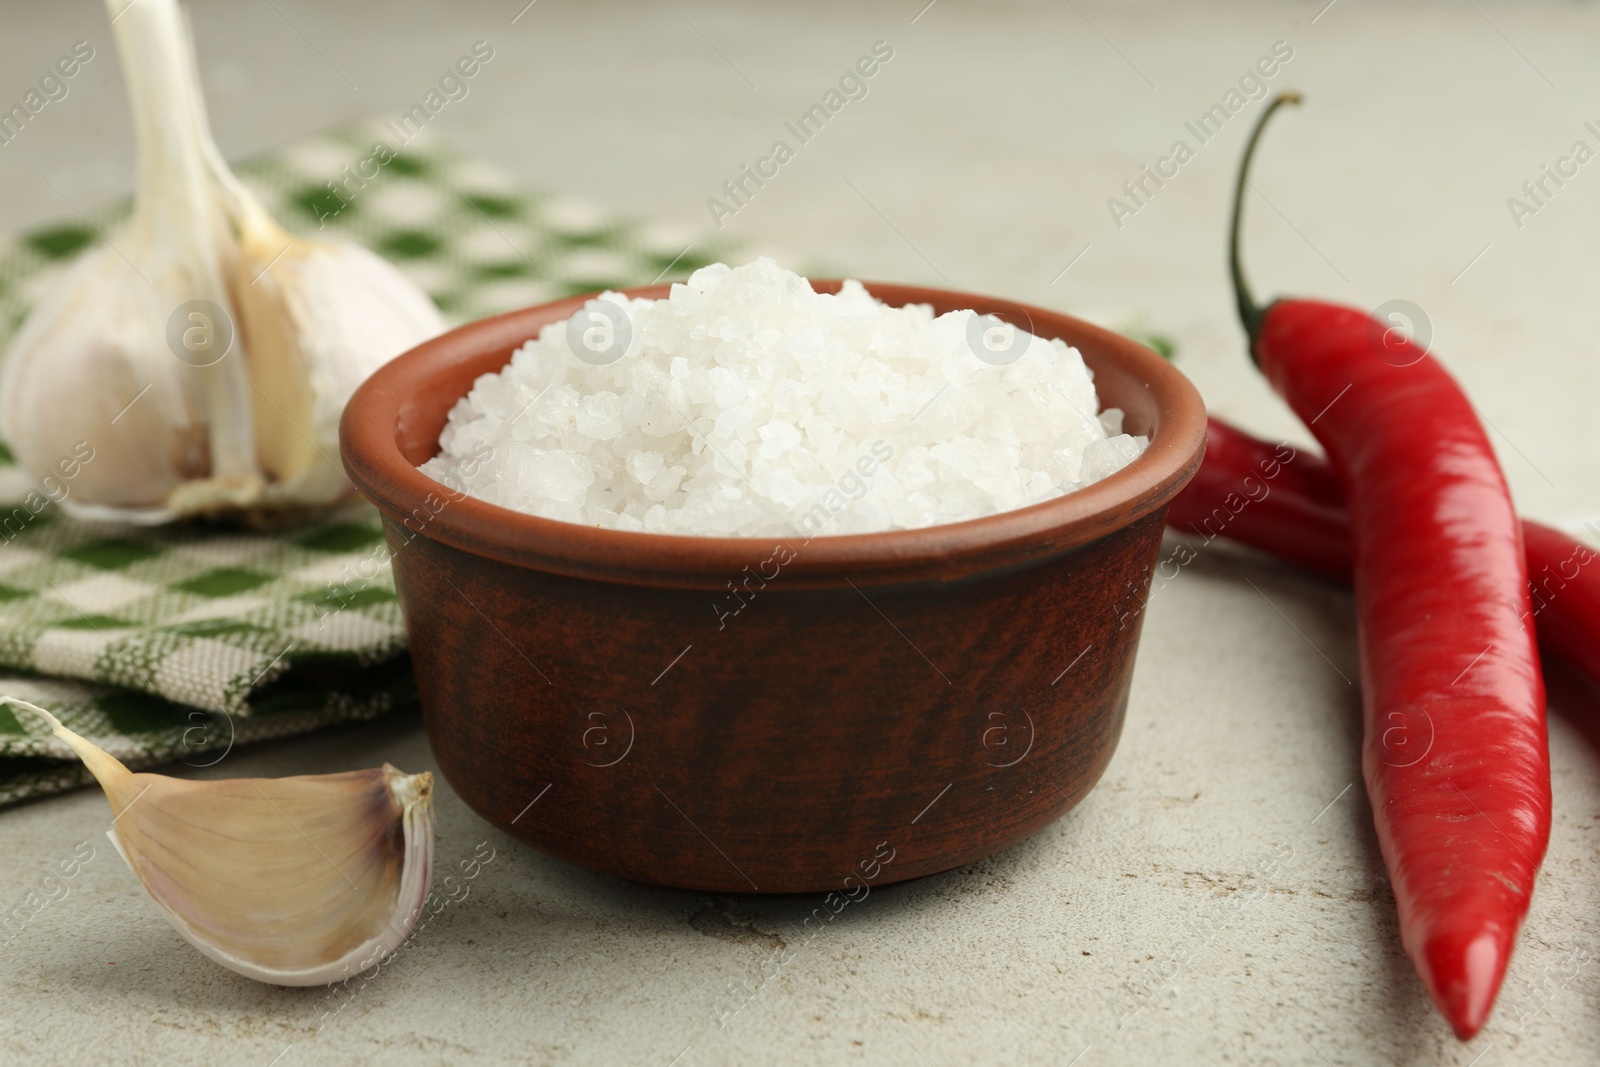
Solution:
(49, 413)
(318, 317)
(292, 881)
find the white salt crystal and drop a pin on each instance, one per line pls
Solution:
(600, 416)
(644, 465)
(745, 404)
(533, 475)
(1105, 457)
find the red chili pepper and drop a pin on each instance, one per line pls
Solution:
(1293, 508)
(1566, 598)
(1438, 561)
(1253, 492)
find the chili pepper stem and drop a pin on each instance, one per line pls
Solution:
(1250, 312)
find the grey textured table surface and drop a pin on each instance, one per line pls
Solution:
(1219, 897)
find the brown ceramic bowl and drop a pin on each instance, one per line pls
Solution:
(885, 705)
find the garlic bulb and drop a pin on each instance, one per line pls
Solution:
(204, 352)
(293, 881)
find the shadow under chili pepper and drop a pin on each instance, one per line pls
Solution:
(1235, 563)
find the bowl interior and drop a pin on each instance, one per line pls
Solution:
(393, 422)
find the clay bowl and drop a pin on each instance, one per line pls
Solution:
(884, 706)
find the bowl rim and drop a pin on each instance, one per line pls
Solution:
(378, 411)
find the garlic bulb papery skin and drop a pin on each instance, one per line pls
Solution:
(292, 881)
(250, 428)
(91, 362)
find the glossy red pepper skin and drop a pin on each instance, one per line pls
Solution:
(1566, 597)
(1290, 506)
(1298, 515)
(1447, 648)
(1455, 755)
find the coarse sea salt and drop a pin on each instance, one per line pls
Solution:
(746, 405)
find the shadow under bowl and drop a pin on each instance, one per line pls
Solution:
(770, 715)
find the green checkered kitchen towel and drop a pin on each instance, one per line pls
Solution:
(180, 643)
